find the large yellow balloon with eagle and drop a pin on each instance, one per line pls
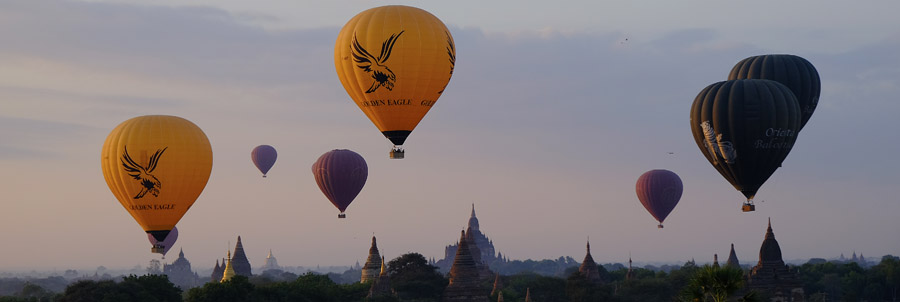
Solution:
(395, 62)
(156, 166)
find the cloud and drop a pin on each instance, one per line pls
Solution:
(26, 139)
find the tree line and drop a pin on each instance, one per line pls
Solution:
(414, 279)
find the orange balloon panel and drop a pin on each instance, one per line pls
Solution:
(395, 62)
(156, 165)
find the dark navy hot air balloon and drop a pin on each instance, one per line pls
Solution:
(165, 244)
(263, 157)
(794, 72)
(340, 174)
(745, 129)
(659, 191)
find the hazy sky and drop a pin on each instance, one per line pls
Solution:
(549, 119)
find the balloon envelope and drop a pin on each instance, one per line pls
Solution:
(341, 175)
(659, 191)
(167, 243)
(745, 129)
(793, 71)
(394, 62)
(263, 157)
(156, 166)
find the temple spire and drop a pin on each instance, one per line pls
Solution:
(630, 273)
(732, 259)
(229, 270)
(589, 245)
(473, 221)
(464, 283)
(589, 267)
(371, 269)
(716, 260)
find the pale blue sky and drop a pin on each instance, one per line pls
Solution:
(549, 119)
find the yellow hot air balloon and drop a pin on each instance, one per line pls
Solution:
(395, 62)
(156, 166)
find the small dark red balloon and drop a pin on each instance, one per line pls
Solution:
(264, 158)
(659, 191)
(341, 175)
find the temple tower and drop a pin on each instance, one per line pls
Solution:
(732, 259)
(179, 272)
(271, 262)
(477, 240)
(630, 274)
(372, 268)
(217, 272)
(382, 284)
(464, 281)
(239, 260)
(771, 275)
(589, 268)
(229, 269)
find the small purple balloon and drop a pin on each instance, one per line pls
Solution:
(659, 191)
(166, 244)
(263, 157)
(341, 175)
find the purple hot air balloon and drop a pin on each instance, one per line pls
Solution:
(264, 157)
(164, 246)
(341, 174)
(659, 192)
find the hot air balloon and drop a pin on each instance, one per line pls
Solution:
(794, 72)
(156, 166)
(166, 244)
(659, 192)
(263, 157)
(340, 174)
(745, 128)
(395, 61)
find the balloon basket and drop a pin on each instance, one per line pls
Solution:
(397, 153)
(157, 249)
(747, 207)
(264, 176)
(342, 215)
(659, 226)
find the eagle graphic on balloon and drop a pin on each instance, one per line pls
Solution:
(151, 183)
(383, 75)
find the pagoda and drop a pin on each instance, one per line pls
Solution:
(732, 259)
(486, 253)
(771, 275)
(589, 268)
(372, 268)
(229, 269)
(464, 281)
(179, 272)
(218, 271)
(382, 285)
(239, 260)
(271, 263)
